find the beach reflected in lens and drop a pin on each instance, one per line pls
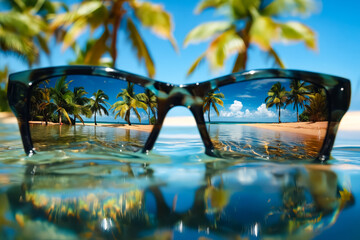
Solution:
(90, 110)
(270, 118)
(84, 138)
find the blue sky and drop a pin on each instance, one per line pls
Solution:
(337, 24)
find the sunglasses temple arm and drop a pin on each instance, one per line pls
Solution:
(197, 111)
(163, 109)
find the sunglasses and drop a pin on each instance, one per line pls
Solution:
(268, 114)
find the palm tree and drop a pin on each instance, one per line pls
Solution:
(82, 53)
(131, 101)
(276, 96)
(108, 17)
(46, 107)
(298, 95)
(317, 109)
(17, 33)
(212, 99)
(4, 106)
(80, 104)
(24, 29)
(149, 98)
(42, 108)
(250, 23)
(97, 102)
(313, 88)
(61, 98)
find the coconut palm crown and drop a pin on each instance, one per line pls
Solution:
(150, 99)
(276, 97)
(249, 22)
(107, 17)
(211, 100)
(98, 104)
(298, 96)
(130, 101)
(24, 29)
(80, 104)
(61, 98)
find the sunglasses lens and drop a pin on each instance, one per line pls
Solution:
(81, 112)
(269, 118)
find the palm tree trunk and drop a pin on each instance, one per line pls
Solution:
(95, 118)
(154, 113)
(241, 60)
(297, 112)
(279, 114)
(209, 115)
(118, 13)
(127, 117)
(74, 120)
(149, 117)
(59, 113)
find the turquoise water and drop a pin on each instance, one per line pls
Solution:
(175, 192)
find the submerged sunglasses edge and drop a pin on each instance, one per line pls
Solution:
(338, 91)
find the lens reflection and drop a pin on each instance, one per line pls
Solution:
(81, 111)
(270, 118)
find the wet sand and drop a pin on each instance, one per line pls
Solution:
(7, 117)
(144, 128)
(308, 128)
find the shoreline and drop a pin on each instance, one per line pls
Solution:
(143, 128)
(307, 128)
(350, 122)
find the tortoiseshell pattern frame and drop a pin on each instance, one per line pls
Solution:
(170, 95)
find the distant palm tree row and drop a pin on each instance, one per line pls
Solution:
(60, 104)
(309, 97)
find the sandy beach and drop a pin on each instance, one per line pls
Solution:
(308, 128)
(7, 117)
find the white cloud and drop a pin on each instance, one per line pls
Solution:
(247, 114)
(237, 106)
(226, 113)
(245, 96)
(262, 111)
(235, 110)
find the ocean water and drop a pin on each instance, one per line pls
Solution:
(176, 191)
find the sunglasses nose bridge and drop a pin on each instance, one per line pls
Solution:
(198, 113)
(194, 102)
(181, 97)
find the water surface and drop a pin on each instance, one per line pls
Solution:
(175, 192)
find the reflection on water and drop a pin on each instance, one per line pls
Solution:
(82, 195)
(81, 137)
(243, 201)
(264, 143)
(235, 140)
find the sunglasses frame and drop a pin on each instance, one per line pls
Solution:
(169, 95)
